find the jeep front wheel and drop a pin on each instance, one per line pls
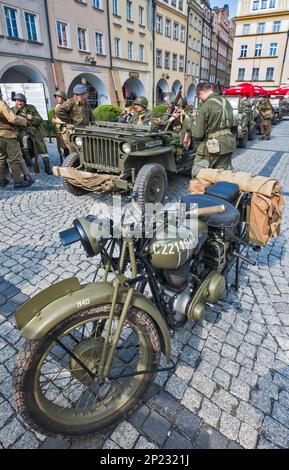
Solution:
(72, 161)
(151, 184)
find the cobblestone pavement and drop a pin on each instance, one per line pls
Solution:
(231, 385)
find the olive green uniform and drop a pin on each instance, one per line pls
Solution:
(37, 128)
(142, 118)
(214, 121)
(34, 131)
(10, 151)
(74, 113)
(265, 109)
(244, 110)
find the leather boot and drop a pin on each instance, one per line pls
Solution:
(3, 180)
(26, 173)
(27, 157)
(47, 165)
(16, 174)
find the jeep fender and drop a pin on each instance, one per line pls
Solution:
(43, 312)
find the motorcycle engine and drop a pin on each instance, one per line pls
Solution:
(199, 278)
(215, 253)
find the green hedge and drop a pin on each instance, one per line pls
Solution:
(160, 110)
(107, 112)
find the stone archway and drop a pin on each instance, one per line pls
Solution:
(191, 95)
(98, 94)
(132, 88)
(162, 90)
(175, 89)
(24, 74)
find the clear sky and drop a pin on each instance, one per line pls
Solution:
(232, 5)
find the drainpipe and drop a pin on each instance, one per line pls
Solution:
(50, 45)
(284, 59)
(187, 43)
(202, 45)
(154, 7)
(110, 54)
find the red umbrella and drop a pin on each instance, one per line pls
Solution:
(246, 89)
(280, 91)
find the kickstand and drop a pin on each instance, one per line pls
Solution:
(237, 274)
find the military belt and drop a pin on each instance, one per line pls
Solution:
(219, 133)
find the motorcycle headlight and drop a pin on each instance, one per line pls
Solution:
(78, 141)
(126, 148)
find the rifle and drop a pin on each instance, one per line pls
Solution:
(174, 105)
(35, 149)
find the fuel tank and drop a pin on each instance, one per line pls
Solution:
(173, 247)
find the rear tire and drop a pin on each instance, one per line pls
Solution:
(72, 161)
(151, 184)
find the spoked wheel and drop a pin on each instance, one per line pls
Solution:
(57, 396)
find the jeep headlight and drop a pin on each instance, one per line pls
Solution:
(126, 148)
(78, 141)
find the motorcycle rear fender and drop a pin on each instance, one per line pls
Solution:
(43, 312)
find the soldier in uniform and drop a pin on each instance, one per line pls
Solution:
(142, 116)
(212, 129)
(265, 109)
(10, 151)
(34, 130)
(60, 97)
(75, 111)
(244, 109)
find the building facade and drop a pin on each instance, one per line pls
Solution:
(222, 42)
(206, 41)
(81, 47)
(194, 48)
(261, 43)
(25, 54)
(131, 43)
(169, 48)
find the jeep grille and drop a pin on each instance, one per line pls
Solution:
(101, 153)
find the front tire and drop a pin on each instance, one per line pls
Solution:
(151, 184)
(57, 397)
(72, 161)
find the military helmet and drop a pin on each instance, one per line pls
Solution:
(20, 96)
(141, 101)
(79, 89)
(60, 93)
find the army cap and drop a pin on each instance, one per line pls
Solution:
(20, 96)
(141, 101)
(79, 89)
(60, 93)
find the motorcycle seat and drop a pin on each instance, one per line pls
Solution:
(227, 191)
(223, 220)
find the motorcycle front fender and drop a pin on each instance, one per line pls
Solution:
(39, 315)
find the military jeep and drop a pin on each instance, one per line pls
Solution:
(277, 110)
(244, 128)
(125, 157)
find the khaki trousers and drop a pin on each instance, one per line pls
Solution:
(266, 128)
(222, 162)
(10, 151)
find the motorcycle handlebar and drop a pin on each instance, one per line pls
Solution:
(70, 236)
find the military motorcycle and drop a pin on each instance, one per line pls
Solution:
(92, 350)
